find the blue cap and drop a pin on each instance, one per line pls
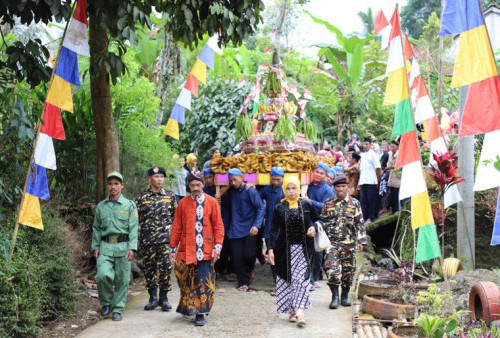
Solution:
(234, 172)
(322, 166)
(207, 171)
(330, 171)
(277, 171)
(338, 169)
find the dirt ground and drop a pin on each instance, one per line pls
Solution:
(234, 313)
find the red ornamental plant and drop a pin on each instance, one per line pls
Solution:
(444, 172)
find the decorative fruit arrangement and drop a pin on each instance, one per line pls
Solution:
(243, 128)
(285, 129)
(262, 163)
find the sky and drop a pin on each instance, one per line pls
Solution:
(341, 13)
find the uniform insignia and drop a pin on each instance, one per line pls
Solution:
(136, 214)
(124, 212)
(155, 169)
(330, 205)
(351, 210)
(168, 200)
(330, 209)
(146, 202)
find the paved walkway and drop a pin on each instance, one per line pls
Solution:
(234, 314)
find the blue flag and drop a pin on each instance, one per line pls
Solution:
(178, 114)
(67, 66)
(460, 16)
(37, 183)
(207, 56)
(495, 238)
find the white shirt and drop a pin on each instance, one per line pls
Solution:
(368, 168)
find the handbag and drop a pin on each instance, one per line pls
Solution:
(321, 241)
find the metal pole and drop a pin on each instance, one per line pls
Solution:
(465, 217)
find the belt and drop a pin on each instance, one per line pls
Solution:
(115, 239)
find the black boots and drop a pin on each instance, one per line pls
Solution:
(335, 296)
(106, 310)
(165, 305)
(153, 299)
(200, 320)
(344, 298)
(117, 317)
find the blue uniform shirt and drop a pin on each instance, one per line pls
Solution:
(247, 210)
(272, 196)
(318, 194)
(208, 191)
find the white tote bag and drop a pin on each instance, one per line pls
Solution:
(321, 241)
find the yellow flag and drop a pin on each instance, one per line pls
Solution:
(396, 89)
(60, 94)
(421, 213)
(30, 213)
(199, 71)
(475, 61)
(172, 129)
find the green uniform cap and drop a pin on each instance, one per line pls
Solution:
(115, 174)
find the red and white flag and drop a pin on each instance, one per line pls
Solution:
(382, 28)
(307, 95)
(76, 35)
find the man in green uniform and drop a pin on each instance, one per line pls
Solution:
(114, 241)
(344, 226)
(156, 208)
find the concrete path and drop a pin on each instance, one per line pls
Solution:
(234, 314)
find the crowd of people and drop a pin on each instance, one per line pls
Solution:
(203, 233)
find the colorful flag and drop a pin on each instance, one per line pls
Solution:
(192, 84)
(37, 183)
(178, 114)
(60, 94)
(241, 83)
(199, 71)
(267, 51)
(45, 155)
(184, 99)
(30, 213)
(67, 66)
(52, 124)
(421, 204)
(474, 65)
(172, 129)
(76, 34)
(213, 44)
(427, 243)
(382, 28)
(207, 56)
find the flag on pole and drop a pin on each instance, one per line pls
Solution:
(30, 213)
(45, 155)
(76, 34)
(382, 28)
(474, 65)
(197, 74)
(59, 94)
(37, 183)
(495, 238)
(67, 66)
(52, 124)
(427, 243)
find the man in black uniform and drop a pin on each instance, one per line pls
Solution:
(156, 207)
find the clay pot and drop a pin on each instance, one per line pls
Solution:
(382, 308)
(404, 331)
(484, 302)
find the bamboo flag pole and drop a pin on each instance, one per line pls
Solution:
(16, 226)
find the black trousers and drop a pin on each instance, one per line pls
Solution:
(224, 263)
(369, 201)
(243, 257)
(394, 198)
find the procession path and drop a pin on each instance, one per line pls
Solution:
(234, 314)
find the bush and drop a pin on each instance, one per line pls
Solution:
(37, 284)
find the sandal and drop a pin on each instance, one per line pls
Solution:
(301, 321)
(243, 288)
(292, 318)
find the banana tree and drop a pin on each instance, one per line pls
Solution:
(346, 73)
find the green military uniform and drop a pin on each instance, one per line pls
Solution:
(344, 226)
(156, 214)
(113, 222)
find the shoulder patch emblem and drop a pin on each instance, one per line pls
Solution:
(167, 200)
(124, 212)
(136, 214)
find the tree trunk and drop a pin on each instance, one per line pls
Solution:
(277, 36)
(169, 67)
(108, 158)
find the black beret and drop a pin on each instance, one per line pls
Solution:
(157, 170)
(340, 179)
